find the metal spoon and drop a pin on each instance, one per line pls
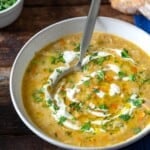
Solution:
(88, 31)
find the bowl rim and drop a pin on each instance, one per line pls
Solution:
(11, 7)
(39, 132)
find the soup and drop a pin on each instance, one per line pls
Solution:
(105, 103)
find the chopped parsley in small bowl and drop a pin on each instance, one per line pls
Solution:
(9, 11)
(4, 4)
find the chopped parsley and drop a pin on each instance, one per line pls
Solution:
(99, 60)
(100, 75)
(125, 117)
(85, 67)
(132, 77)
(4, 4)
(49, 102)
(137, 130)
(86, 127)
(75, 106)
(38, 95)
(62, 119)
(96, 90)
(86, 83)
(55, 107)
(53, 60)
(121, 74)
(59, 71)
(77, 47)
(138, 102)
(59, 58)
(103, 106)
(93, 55)
(125, 53)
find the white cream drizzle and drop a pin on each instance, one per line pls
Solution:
(112, 67)
(71, 93)
(100, 94)
(56, 73)
(69, 56)
(98, 113)
(114, 89)
(126, 78)
(100, 122)
(91, 105)
(72, 125)
(62, 111)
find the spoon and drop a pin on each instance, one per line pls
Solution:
(87, 34)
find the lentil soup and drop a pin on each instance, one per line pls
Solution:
(105, 103)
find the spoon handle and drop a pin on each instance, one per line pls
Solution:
(89, 27)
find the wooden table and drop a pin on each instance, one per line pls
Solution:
(36, 15)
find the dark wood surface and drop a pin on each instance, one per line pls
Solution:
(37, 14)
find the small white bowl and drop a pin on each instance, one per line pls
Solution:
(52, 33)
(9, 15)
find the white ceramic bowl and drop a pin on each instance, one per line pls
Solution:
(52, 33)
(9, 15)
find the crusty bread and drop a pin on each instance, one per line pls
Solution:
(132, 6)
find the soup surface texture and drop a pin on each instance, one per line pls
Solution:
(105, 103)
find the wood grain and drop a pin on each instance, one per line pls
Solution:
(61, 2)
(36, 15)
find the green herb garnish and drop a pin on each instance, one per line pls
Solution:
(4, 4)
(93, 55)
(121, 74)
(100, 75)
(86, 83)
(96, 90)
(77, 47)
(59, 58)
(103, 106)
(75, 106)
(38, 95)
(53, 60)
(85, 67)
(55, 107)
(86, 126)
(125, 117)
(137, 130)
(132, 77)
(62, 119)
(99, 61)
(59, 71)
(49, 102)
(125, 53)
(138, 102)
